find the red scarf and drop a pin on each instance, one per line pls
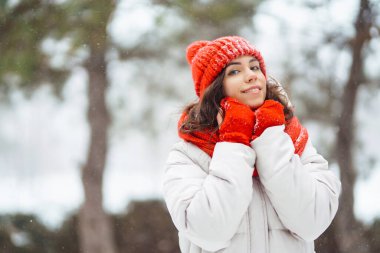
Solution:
(206, 140)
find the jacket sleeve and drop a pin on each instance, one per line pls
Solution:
(303, 191)
(208, 207)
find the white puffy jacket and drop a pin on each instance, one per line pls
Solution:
(217, 206)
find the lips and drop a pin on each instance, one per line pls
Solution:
(252, 89)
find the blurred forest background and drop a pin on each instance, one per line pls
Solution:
(90, 94)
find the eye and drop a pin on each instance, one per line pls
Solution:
(233, 72)
(255, 68)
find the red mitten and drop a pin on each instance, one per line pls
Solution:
(270, 113)
(238, 122)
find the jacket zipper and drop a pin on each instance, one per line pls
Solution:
(249, 230)
(261, 193)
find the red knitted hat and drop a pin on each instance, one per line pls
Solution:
(208, 58)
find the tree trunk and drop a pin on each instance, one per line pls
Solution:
(349, 234)
(95, 228)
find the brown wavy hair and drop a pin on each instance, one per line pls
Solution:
(202, 114)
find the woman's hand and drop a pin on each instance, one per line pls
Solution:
(270, 113)
(239, 120)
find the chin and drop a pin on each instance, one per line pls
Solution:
(255, 105)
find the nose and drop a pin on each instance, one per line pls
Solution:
(250, 75)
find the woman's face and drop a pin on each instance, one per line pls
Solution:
(245, 82)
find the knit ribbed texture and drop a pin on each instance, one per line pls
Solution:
(206, 140)
(208, 58)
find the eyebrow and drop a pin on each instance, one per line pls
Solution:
(238, 63)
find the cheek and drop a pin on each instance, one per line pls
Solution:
(228, 88)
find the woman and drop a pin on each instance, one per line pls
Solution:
(246, 177)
